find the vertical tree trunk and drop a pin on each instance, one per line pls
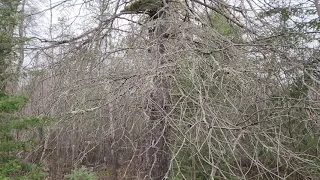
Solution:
(157, 153)
(21, 35)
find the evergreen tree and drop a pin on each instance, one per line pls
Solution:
(11, 166)
(8, 21)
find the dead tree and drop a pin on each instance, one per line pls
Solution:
(155, 159)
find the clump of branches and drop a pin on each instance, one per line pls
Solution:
(243, 101)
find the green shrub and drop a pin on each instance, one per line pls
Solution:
(81, 174)
(12, 167)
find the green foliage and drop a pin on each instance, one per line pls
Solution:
(190, 165)
(9, 14)
(6, 43)
(10, 103)
(15, 169)
(81, 174)
(298, 19)
(9, 19)
(12, 167)
(284, 116)
(283, 12)
(225, 28)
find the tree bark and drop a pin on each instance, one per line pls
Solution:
(157, 159)
(21, 35)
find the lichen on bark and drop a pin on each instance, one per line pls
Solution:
(150, 7)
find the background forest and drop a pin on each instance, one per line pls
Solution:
(156, 89)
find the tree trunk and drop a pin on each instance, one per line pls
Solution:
(21, 35)
(157, 159)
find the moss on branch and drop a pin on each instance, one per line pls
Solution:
(150, 7)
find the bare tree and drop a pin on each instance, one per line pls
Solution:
(187, 90)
